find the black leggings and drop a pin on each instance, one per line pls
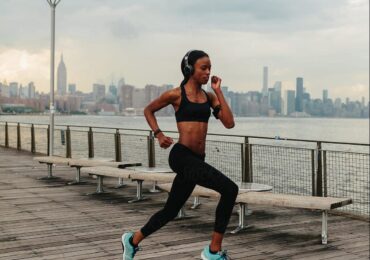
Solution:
(191, 170)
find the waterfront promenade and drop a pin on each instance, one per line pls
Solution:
(50, 220)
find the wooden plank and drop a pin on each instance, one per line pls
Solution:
(49, 220)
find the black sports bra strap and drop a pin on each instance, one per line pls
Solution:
(208, 99)
(183, 93)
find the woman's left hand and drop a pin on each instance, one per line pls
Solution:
(215, 83)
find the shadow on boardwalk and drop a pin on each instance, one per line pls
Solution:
(50, 220)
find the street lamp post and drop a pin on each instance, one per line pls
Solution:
(53, 4)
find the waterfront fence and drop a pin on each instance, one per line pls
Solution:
(291, 166)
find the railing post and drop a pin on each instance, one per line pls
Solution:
(90, 140)
(151, 149)
(313, 179)
(19, 137)
(117, 141)
(48, 135)
(33, 146)
(246, 177)
(325, 175)
(6, 135)
(250, 163)
(319, 171)
(68, 143)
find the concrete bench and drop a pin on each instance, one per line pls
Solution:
(106, 171)
(79, 163)
(49, 161)
(323, 204)
(140, 177)
(134, 175)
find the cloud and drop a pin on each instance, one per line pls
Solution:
(326, 42)
(23, 66)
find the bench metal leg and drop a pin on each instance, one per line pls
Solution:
(243, 207)
(99, 188)
(324, 230)
(50, 173)
(78, 178)
(120, 184)
(182, 215)
(154, 189)
(139, 192)
(196, 203)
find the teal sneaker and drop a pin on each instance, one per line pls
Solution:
(207, 255)
(129, 250)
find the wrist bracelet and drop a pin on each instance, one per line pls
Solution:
(157, 132)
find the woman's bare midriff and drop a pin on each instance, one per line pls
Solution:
(193, 135)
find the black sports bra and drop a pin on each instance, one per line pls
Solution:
(191, 111)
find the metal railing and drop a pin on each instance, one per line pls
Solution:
(291, 166)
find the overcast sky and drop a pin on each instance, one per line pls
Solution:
(324, 41)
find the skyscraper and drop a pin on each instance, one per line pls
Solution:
(325, 95)
(277, 89)
(61, 78)
(265, 82)
(72, 89)
(299, 95)
(289, 102)
(98, 92)
(31, 90)
(13, 89)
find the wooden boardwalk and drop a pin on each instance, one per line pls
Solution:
(50, 220)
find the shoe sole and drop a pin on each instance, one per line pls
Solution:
(203, 257)
(123, 247)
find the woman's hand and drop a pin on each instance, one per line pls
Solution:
(215, 83)
(164, 141)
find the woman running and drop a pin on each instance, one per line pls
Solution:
(192, 110)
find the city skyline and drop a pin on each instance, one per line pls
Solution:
(102, 42)
(299, 89)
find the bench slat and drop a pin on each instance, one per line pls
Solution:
(153, 176)
(108, 171)
(52, 159)
(91, 163)
(198, 191)
(293, 201)
(273, 199)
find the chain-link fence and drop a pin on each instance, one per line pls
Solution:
(346, 175)
(288, 170)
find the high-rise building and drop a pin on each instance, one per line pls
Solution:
(277, 90)
(265, 82)
(98, 92)
(338, 103)
(299, 95)
(61, 78)
(289, 102)
(31, 90)
(138, 98)
(362, 102)
(113, 90)
(4, 90)
(325, 95)
(126, 95)
(72, 88)
(13, 89)
(23, 92)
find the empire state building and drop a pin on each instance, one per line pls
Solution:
(62, 78)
